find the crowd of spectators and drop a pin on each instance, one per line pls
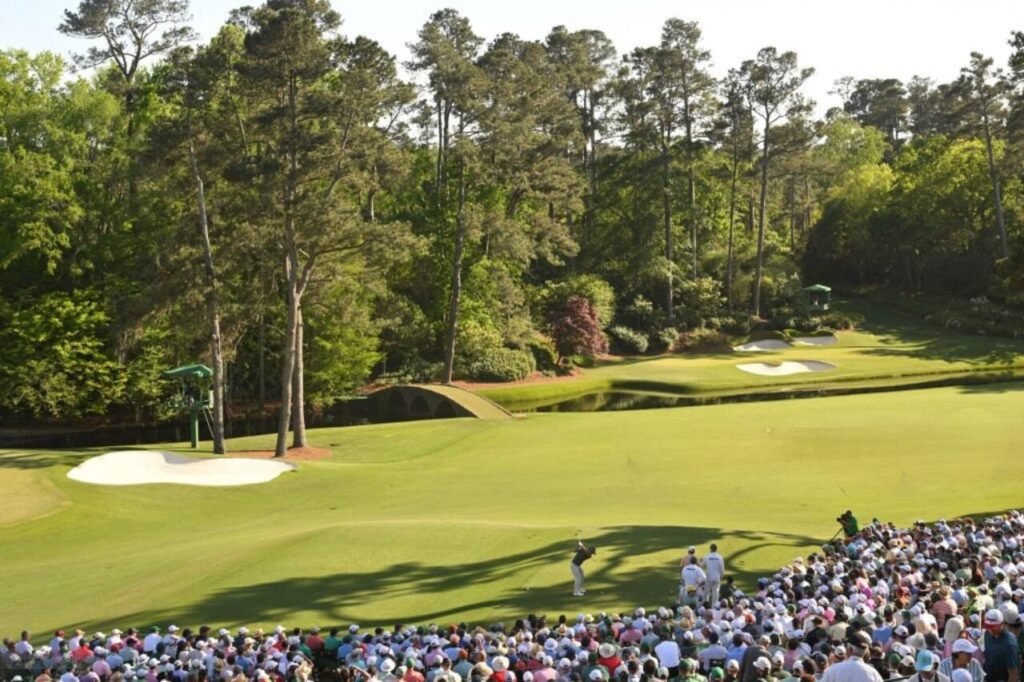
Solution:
(929, 603)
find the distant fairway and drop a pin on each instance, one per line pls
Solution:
(474, 519)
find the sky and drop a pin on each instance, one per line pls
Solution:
(864, 39)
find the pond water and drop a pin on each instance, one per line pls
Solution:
(615, 400)
(609, 401)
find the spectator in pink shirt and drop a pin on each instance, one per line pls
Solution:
(100, 665)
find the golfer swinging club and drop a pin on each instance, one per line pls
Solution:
(582, 554)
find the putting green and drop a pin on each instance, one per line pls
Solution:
(475, 519)
(888, 348)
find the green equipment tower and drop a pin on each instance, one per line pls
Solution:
(195, 396)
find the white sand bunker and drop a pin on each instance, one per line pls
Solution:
(781, 369)
(829, 340)
(763, 344)
(137, 467)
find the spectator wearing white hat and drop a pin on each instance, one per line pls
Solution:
(962, 658)
(1002, 657)
(100, 665)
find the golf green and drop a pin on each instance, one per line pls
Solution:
(451, 520)
(889, 349)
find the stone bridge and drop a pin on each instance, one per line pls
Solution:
(430, 401)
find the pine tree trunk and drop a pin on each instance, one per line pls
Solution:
(456, 292)
(732, 220)
(261, 367)
(288, 359)
(691, 192)
(666, 190)
(212, 307)
(299, 386)
(996, 189)
(760, 223)
(291, 266)
(693, 221)
(792, 213)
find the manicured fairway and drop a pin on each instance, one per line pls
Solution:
(473, 519)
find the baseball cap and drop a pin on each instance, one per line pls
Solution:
(993, 617)
(925, 661)
(964, 646)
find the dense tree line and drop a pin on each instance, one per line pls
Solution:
(281, 203)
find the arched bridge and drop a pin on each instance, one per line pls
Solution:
(429, 401)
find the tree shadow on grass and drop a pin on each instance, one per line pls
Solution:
(973, 350)
(43, 459)
(903, 335)
(339, 597)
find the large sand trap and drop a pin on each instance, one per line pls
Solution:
(136, 467)
(782, 369)
(829, 340)
(763, 344)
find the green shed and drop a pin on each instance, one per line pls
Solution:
(818, 297)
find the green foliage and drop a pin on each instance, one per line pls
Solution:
(146, 390)
(642, 316)
(476, 340)
(841, 321)
(52, 359)
(503, 364)
(736, 325)
(767, 334)
(699, 299)
(417, 371)
(626, 341)
(849, 146)
(702, 341)
(922, 224)
(493, 296)
(664, 339)
(545, 355)
(342, 344)
(554, 296)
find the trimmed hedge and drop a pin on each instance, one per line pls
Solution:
(545, 357)
(625, 341)
(664, 339)
(702, 341)
(503, 364)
